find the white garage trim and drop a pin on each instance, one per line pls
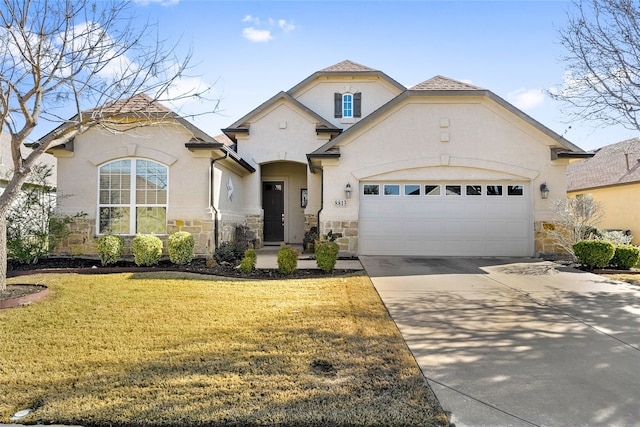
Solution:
(471, 218)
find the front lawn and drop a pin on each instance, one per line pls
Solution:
(161, 349)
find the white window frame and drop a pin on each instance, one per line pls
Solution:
(344, 108)
(132, 205)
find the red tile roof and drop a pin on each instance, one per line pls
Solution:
(614, 164)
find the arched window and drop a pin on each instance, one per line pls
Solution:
(132, 197)
(347, 105)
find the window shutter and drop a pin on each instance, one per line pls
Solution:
(337, 105)
(357, 104)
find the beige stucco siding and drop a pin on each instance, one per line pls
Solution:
(621, 205)
(188, 175)
(318, 96)
(424, 139)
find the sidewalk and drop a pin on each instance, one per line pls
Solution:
(268, 258)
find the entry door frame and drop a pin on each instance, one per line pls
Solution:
(285, 181)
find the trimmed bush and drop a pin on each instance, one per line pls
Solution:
(147, 249)
(181, 246)
(594, 253)
(248, 263)
(287, 260)
(230, 252)
(625, 257)
(327, 255)
(110, 248)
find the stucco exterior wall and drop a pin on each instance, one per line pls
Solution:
(188, 183)
(444, 140)
(621, 207)
(318, 96)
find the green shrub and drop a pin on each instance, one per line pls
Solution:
(180, 247)
(230, 252)
(327, 255)
(287, 260)
(248, 263)
(147, 249)
(625, 257)
(110, 248)
(594, 253)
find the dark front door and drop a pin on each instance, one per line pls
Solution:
(273, 206)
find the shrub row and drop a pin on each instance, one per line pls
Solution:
(601, 253)
(147, 248)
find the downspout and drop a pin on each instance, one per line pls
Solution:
(211, 197)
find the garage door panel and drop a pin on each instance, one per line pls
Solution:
(471, 225)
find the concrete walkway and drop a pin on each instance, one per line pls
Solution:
(518, 342)
(268, 258)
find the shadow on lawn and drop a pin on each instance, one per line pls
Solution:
(471, 344)
(264, 376)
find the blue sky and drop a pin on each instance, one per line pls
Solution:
(250, 51)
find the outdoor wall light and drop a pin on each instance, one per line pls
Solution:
(544, 190)
(347, 191)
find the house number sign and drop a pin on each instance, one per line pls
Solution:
(341, 203)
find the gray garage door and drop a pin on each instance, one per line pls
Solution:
(446, 219)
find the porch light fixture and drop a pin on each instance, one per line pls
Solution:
(347, 191)
(544, 190)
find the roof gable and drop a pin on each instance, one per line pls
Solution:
(444, 83)
(613, 164)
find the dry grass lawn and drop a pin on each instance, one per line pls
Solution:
(161, 349)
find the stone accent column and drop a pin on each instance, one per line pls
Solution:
(347, 232)
(256, 224)
(546, 242)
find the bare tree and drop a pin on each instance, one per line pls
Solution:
(602, 83)
(578, 220)
(84, 54)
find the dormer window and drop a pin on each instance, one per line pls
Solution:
(347, 105)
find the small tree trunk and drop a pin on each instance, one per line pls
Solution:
(3, 251)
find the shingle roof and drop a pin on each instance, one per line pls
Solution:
(444, 83)
(614, 164)
(141, 103)
(347, 66)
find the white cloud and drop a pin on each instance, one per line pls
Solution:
(525, 99)
(260, 30)
(286, 26)
(256, 36)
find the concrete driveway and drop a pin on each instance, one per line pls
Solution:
(517, 342)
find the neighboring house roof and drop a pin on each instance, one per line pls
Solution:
(615, 164)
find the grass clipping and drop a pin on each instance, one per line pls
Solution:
(160, 349)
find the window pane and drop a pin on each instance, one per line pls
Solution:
(494, 190)
(474, 190)
(412, 190)
(114, 220)
(151, 179)
(432, 190)
(515, 190)
(151, 220)
(347, 105)
(371, 189)
(391, 189)
(454, 190)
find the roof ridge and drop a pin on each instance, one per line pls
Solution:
(440, 82)
(348, 66)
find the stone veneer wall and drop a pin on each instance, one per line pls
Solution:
(310, 220)
(546, 244)
(256, 224)
(82, 239)
(348, 231)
